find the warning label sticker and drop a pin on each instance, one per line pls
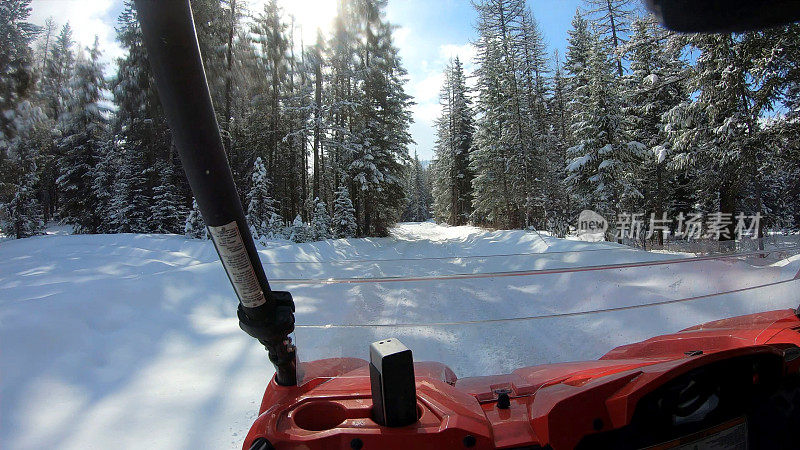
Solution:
(234, 258)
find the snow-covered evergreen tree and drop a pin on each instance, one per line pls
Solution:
(131, 200)
(25, 153)
(16, 84)
(452, 184)
(83, 135)
(776, 172)
(655, 85)
(320, 222)
(16, 72)
(503, 146)
(419, 200)
(604, 160)
(560, 203)
(167, 212)
(299, 231)
(543, 185)
(260, 204)
(382, 121)
(103, 177)
(714, 136)
(143, 136)
(612, 19)
(23, 215)
(194, 226)
(344, 220)
(58, 73)
(276, 228)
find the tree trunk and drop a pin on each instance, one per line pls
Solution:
(229, 80)
(614, 36)
(659, 205)
(727, 205)
(317, 118)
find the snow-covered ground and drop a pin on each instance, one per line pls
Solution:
(131, 341)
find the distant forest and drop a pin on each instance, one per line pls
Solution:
(632, 119)
(316, 132)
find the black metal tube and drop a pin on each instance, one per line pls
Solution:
(171, 41)
(724, 16)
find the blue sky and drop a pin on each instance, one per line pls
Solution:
(429, 33)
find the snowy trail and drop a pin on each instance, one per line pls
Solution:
(131, 340)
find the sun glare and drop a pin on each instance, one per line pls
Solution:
(310, 15)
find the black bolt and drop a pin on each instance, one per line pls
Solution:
(469, 441)
(356, 444)
(503, 400)
(598, 424)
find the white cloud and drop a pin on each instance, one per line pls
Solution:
(87, 20)
(466, 52)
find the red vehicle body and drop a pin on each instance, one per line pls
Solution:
(614, 399)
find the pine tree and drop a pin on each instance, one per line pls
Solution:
(320, 222)
(23, 215)
(560, 209)
(382, 118)
(603, 162)
(344, 221)
(47, 37)
(130, 203)
(452, 188)
(16, 73)
(715, 135)
(276, 228)
(656, 84)
(260, 204)
(194, 226)
(419, 202)
(776, 169)
(299, 232)
(167, 212)
(612, 18)
(144, 139)
(269, 36)
(83, 135)
(503, 146)
(58, 73)
(25, 151)
(542, 184)
(16, 84)
(103, 184)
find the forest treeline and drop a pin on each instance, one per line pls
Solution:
(632, 119)
(316, 132)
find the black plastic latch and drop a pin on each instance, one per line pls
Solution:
(273, 332)
(503, 400)
(280, 324)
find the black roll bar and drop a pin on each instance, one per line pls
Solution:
(171, 41)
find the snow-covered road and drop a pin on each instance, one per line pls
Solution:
(131, 341)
